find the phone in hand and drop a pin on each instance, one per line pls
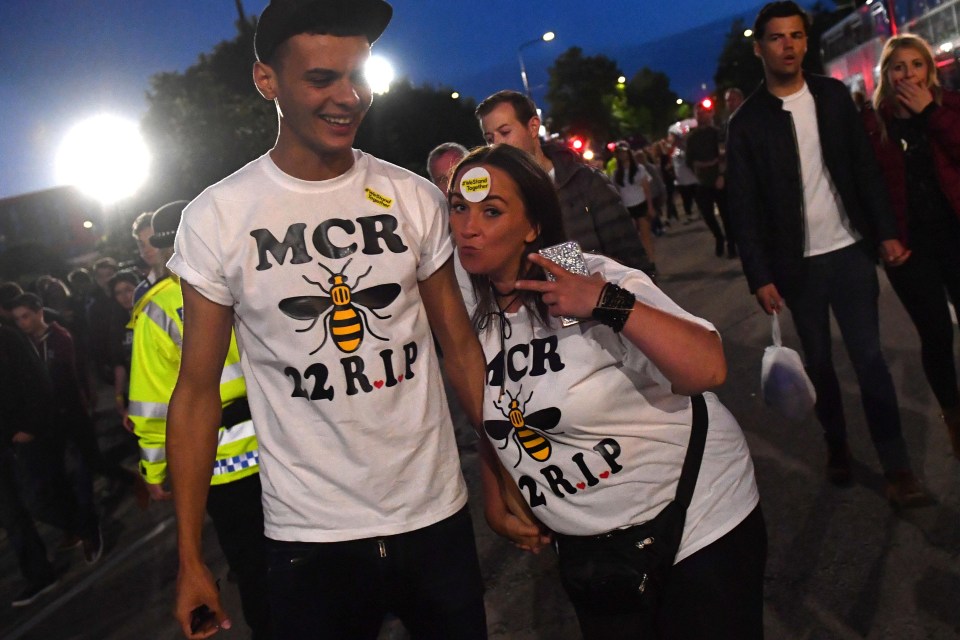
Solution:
(569, 256)
(199, 618)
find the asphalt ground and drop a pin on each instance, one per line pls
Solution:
(842, 563)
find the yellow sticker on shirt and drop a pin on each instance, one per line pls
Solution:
(378, 199)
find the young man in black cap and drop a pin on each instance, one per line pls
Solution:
(335, 266)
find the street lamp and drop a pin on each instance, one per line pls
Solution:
(105, 157)
(547, 37)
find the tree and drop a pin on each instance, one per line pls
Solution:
(649, 93)
(737, 65)
(403, 125)
(581, 91)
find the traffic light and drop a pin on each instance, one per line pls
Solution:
(576, 143)
(707, 103)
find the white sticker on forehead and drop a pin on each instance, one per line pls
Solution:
(475, 184)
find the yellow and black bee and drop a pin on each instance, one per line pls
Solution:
(346, 321)
(524, 429)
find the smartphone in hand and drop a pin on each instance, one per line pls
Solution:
(569, 256)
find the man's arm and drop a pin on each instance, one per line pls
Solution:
(744, 204)
(612, 222)
(192, 425)
(465, 368)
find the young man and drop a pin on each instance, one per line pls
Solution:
(810, 210)
(142, 230)
(72, 424)
(704, 157)
(334, 266)
(593, 213)
(234, 498)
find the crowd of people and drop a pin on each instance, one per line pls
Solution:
(276, 318)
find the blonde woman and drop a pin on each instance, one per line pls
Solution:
(915, 130)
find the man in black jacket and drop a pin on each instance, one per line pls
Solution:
(809, 211)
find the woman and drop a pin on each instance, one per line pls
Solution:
(633, 184)
(603, 408)
(915, 131)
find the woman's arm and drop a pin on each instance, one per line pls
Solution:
(689, 355)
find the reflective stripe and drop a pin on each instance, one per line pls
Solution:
(148, 409)
(237, 432)
(153, 455)
(165, 322)
(231, 373)
(236, 463)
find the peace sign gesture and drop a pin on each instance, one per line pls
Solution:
(571, 294)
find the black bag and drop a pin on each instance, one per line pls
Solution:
(625, 570)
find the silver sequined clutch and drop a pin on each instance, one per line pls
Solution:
(569, 256)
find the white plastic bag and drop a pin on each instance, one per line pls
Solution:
(783, 381)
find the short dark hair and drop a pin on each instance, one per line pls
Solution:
(141, 222)
(523, 106)
(543, 211)
(123, 276)
(782, 9)
(29, 300)
(8, 293)
(105, 263)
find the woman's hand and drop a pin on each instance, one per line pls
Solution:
(571, 294)
(914, 97)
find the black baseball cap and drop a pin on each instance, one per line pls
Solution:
(165, 221)
(283, 19)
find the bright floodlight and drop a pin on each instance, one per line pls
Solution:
(379, 74)
(105, 157)
(747, 33)
(548, 36)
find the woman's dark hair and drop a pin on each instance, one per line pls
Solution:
(542, 208)
(618, 176)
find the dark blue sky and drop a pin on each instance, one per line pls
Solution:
(66, 60)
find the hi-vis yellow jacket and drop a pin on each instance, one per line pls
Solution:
(157, 324)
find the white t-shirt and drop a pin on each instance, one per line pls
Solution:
(631, 193)
(355, 434)
(610, 435)
(827, 226)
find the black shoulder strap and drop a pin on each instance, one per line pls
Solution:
(691, 463)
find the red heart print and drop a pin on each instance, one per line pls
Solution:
(605, 475)
(581, 486)
(378, 383)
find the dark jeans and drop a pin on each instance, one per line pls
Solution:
(715, 593)
(15, 518)
(845, 282)
(922, 283)
(687, 192)
(429, 578)
(55, 497)
(707, 197)
(237, 514)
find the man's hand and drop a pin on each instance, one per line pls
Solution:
(893, 253)
(197, 592)
(769, 299)
(158, 493)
